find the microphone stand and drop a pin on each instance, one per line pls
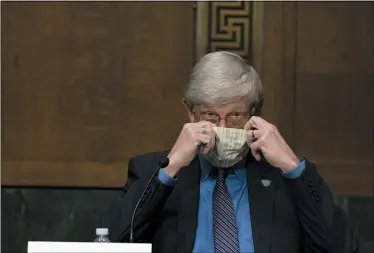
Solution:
(138, 204)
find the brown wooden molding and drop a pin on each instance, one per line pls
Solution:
(64, 174)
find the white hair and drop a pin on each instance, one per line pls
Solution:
(222, 77)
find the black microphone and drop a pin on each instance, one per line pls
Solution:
(162, 164)
(137, 206)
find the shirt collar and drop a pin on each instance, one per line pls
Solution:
(206, 168)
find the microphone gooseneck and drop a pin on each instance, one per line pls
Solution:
(137, 206)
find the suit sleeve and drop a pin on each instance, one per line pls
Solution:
(326, 226)
(118, 218)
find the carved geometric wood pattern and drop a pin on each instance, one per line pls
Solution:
(230, 27)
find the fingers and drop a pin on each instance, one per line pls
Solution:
(254, 135)
(257, 145)
(202, 127)
(207, 140)
(258, 128)
(248, 126)
(257, 122)
(206, 132)
(253, 143)
(206, 150)
(207, 143)
(202, 135)
(256, 148)
(204, 138)
(256, 154)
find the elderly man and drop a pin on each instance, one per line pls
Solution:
(230, 183)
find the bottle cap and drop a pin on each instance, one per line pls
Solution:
(101, 231)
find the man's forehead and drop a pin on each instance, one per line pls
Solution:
(236, 106)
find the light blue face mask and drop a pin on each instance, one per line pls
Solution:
(230, 147)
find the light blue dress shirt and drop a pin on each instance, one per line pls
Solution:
(237, 185)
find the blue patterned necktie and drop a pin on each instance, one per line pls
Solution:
(224, 219)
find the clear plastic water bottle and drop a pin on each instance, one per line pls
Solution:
(102, 235)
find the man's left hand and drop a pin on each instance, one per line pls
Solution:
(265, 138)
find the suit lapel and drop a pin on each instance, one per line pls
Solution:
(261, 199)
(189, 191)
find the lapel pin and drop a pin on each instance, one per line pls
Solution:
(266, 182)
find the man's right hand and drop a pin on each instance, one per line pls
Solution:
(186, 147)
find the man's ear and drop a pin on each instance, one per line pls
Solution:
(191, 116)
(256, 110)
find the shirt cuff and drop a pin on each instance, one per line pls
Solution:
(165, 178)
(295, 173)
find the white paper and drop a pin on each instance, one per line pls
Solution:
(87, 247)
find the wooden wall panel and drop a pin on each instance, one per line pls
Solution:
(334, 91)
(87, 85)
(318, 74)
(278, 65)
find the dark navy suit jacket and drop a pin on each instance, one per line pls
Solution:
(291, 215)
